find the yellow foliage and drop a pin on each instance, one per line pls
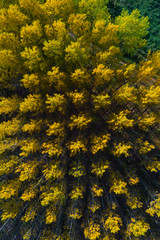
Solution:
(59, 8)
(154, 208)
(99, 143)
(56, 78)
(54, 194)
(75, 214)
(31, 34)
(53, 48)
(129, 34)
(99, 168)
(98, 29)
(12, 19)
(34, 9)
(27, 170)
(65, 59)
(77, 171)
(32, 103)
(9, 128)
(133, 180)
(31, 82)
(9, 67)
(77, 192)
(153, 166)
(133, 202)
(78, 24)
(81, 121)
(57, 30)
(92, 231)
(7, 165)
(33, 58)
(94, 9)
(144, 147)
(78, 98)
(8, 105)
(122, 148)
(146, 121)
(109, 237)
(10, 209)
(102, 75)
(94, 206)
(120, 121)
(51, 215)
(97, 191)
(110, 38)
(52, 149)
(113, 223)
(56, 102)
(32, 126)
(155, 60)
(76, 146)
(9, 41)
(101, 100)
(80, 77)
(29, 193)
(53, 171)
(9, 189)
(30, 146)
(27, 235)
(8, 144)
(129, 72)
(137, 228)
(56, 129)
(150, 95)
(76, 53)
(111, 56)
(29, 214)
(146, 70)
(119, 186)
(120, 74)
(125, 93)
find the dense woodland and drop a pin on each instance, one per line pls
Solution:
(150, 8)
(79, 121)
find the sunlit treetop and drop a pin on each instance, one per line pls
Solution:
(79, 123)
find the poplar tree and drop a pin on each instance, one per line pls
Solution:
(79, 126)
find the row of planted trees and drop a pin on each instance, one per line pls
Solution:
(79, 126)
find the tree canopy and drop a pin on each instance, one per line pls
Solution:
(79, 126)
(150, 8)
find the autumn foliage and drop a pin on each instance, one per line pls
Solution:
(79, 125)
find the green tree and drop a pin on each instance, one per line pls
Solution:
(78, 131)
(150, 8)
